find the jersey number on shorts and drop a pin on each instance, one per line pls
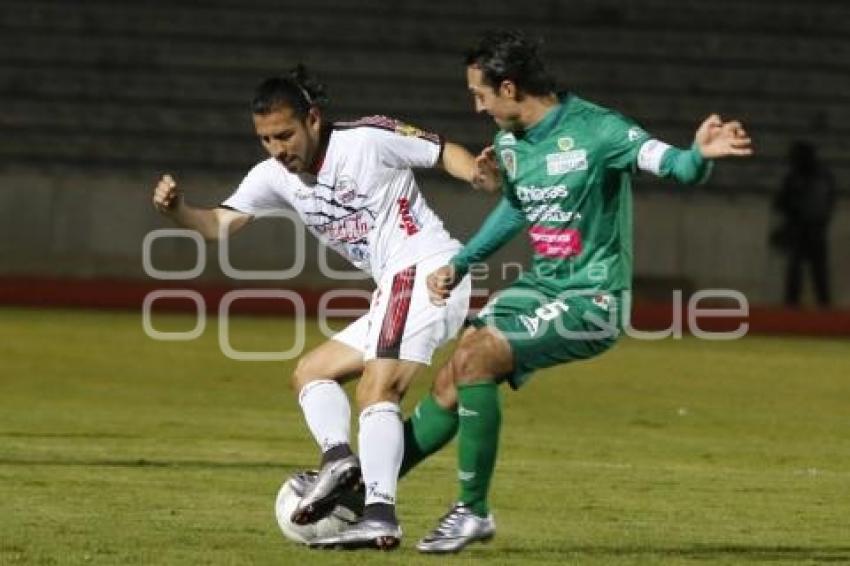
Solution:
(545, 313)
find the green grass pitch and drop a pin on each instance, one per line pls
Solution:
(118, 449)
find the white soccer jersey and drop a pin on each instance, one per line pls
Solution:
(363, 202)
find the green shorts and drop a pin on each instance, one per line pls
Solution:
(545, 328)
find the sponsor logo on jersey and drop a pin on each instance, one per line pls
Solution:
(635, 133)
(550, 213)
(532, 193)
(566, 161)
(566, 143)
(555, 242)
(507, 139)
(349, 228)
(408, 222)
(509, 159)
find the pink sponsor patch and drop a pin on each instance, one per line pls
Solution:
(555, 242)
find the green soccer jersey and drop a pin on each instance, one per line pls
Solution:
(567, 180)
(569, 174)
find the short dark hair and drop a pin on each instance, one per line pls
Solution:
(510, 55)
(297, 90)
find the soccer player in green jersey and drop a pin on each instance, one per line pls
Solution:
(566, 165)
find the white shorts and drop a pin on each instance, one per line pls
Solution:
(402, 323)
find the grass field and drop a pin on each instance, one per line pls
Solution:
(117, 449)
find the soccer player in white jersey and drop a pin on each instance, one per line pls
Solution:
(353, 187)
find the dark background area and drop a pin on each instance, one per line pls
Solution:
(98, 98)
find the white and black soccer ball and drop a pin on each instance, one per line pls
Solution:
(343, 515)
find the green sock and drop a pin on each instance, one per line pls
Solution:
(428, 429)
(478, 441)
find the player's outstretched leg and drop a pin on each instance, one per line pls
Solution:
(328, 414)
(381, 447)
(433, 423)
(479, 360)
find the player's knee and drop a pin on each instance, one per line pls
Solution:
(467, 365)
(305, 372)
(375, 388)
(477, 358)
(444, 389)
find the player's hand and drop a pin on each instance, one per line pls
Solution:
(716, 138)
(485, 175)
(166, 196)
(440, 284)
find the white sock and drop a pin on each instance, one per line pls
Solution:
(327, 412)
(381, 446)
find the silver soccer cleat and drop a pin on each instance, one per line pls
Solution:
(457, 528)
(302, 481)
(322, 494)
(367, 533)
(353, 499)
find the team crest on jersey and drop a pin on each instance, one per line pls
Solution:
(566, 161)
(566, 143)
(408, 130)
(345, 189)
(509, 159)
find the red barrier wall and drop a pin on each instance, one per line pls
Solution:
(106, 293)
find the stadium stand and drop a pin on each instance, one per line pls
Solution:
(118, 92)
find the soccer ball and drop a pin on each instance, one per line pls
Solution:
(346, 513)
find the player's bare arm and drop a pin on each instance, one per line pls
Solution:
(480, 171)
(716, 139)
(168, 199)
(457, 161)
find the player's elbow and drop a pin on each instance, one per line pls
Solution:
(458, 162)
(211, 234)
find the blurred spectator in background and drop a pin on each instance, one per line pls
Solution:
(805, 202)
